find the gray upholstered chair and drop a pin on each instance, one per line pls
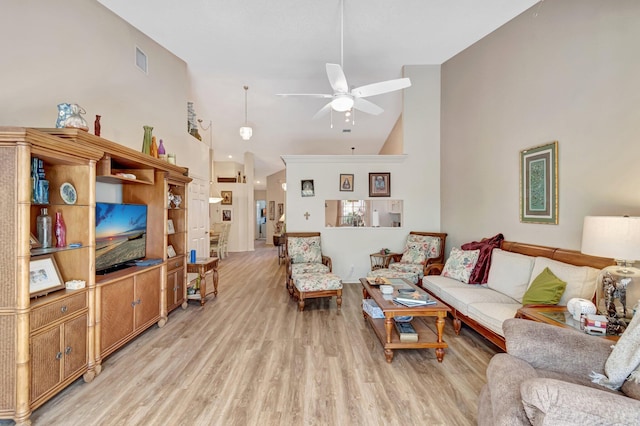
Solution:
(544, 379)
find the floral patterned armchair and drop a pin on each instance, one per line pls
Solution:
(421, 250)
(303, 255)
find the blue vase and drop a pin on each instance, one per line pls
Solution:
(64, 111)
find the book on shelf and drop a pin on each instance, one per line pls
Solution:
(406, 332)
(415, 298)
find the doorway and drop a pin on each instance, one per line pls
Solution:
(261, 220)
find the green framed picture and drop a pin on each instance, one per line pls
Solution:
(539, 184)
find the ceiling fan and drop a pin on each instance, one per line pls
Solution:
(344, 99)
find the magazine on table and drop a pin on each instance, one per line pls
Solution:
(414, 298)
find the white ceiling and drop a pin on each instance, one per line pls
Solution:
(282, 46)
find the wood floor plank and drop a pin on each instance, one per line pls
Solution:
(249, 357)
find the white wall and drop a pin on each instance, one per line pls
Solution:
(78, 51)
(566, 70)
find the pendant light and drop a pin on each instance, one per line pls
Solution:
(246, 131)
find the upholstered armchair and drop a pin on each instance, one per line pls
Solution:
(303, 255)
(545, 379)
(420, 251)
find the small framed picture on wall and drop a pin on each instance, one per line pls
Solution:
(346, 182)
(226, 215)
(379, 184)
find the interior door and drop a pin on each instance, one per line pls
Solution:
(199, 217)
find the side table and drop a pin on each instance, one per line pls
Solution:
(201, 267)
(380, 261)
(278, 241)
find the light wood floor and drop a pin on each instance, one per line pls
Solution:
(249, 357)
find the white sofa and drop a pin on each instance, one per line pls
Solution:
(484, 307)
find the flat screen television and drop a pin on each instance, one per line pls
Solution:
(121, 235)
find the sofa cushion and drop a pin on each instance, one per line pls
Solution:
(545, 289)
(462, 297)
(460, 264)
(581, 280)
(491, 315)
(304, 249)
(510, 273)
(435, 283)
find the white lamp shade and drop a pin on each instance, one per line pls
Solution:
(215, 198)
(342, 103)
(246, 132)
(612, 236)
(281, 218)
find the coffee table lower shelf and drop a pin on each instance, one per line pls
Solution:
(427, 338)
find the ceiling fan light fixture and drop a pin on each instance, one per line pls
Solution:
(342, 103)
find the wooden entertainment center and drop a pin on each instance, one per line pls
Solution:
(50, 341)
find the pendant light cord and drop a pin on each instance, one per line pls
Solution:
(245, 104)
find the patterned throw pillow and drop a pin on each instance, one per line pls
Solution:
(430, 245)
(304, 249)
(460, 264)
(414, 253)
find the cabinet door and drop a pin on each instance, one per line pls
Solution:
(45, 362)
(117, 304)
(75, 345)
(147, 297)
(172, 287)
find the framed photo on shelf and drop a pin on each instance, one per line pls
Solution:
(346, 182)
(171, 252)
(539, 184)
(226, 215)
(44, 276)
(170, 228)
(33, 242)
(379, 184)
(227, 197)
(272, 210)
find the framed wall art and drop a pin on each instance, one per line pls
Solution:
(226, 215)
(272, 210)
(307, 188)
(280, 210)
(227, 197)
(379, 184)
(44, 276)
(539, 184)
(346, 182)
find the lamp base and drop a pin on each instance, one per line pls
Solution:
(616, 294)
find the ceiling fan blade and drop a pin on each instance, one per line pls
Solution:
(381, 87)
(366, 106)
(337, 79)
(323, 111)
(309, 95)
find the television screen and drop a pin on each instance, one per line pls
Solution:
(121, 234)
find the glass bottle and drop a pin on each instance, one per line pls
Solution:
(146, 140)
(43, 224)
(162, 154)
(61, 231)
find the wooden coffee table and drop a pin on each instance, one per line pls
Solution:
(385, 329)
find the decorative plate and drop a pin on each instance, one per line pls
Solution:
(68, 193)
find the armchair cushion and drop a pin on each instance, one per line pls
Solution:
(304, 249)
(415, 253)
(308, 268)
(430, 245)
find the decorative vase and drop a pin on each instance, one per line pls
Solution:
(96, 126)
(154, 147)
(75, 120)
(64, 111)
(43, 224)
(61, 231)
(146, 140)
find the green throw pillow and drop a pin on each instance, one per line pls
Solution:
(546, 289)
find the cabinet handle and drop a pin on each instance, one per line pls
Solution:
(67, 350)
(64, 309)
(59, 356)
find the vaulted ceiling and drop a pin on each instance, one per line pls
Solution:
(282, 46)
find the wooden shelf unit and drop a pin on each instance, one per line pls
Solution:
(49, 342)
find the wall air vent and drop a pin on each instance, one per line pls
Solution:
(141, 60)
(346, 130)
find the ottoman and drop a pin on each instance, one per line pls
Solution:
(388, 273)
(317, 284)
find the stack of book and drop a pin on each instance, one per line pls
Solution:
(596, 324)
(406, 332)
(414, 299)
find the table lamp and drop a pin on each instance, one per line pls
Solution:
(618, 286)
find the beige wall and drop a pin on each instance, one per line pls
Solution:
(78, 51)
(569, 73)
(393, 144)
